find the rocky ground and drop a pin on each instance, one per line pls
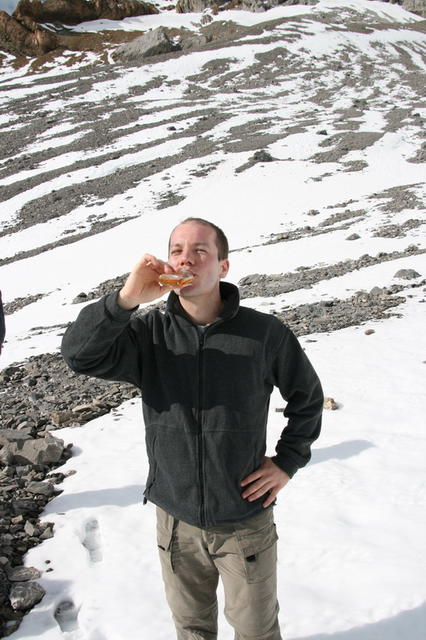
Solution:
(41, 394)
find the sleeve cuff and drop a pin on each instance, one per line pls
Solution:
(114, 310)
(286, 465)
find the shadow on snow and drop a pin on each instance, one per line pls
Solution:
(406, 625)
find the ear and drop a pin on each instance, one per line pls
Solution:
(224, 268)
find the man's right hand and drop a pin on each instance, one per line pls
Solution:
(142, 283)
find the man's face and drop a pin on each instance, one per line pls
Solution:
(193, 248)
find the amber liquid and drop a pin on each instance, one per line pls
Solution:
(176, 280)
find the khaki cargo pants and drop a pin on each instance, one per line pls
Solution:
(243, 555)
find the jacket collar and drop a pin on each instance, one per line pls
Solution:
(229, 294)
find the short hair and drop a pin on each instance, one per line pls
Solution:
(221, 239)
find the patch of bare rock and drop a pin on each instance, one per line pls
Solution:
(96, 227)
(27, 483)
(276, 284)
(398, 230)
(20, 303)
(331, 315)
(43, 394)
(36, 398)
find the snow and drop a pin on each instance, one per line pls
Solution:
(352, 523)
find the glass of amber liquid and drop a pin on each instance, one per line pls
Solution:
(176, 280)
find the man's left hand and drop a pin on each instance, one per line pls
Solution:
(268, 478)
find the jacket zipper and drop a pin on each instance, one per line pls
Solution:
(200, 429)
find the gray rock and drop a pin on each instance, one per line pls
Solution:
(41, 488)
(9, 435)
(257, 6)
(193, 6)
(152, 43)
(195, 42)
(377, 291)
(30, 529)
(34, 451)
(47, 533)
(407, 274)
(25, 506)
(25, 595)
(353, 236)
(82, 297)
(23, 574)
(262, 156)
(259, 156)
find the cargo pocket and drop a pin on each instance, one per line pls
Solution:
(165, 528)
(258, 551)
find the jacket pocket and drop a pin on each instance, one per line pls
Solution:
(152, 469)
(149, 481)
(258, 550)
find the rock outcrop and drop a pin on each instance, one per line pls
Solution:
(26, 37)
(75, 11)
(194, 6)
(24, 34)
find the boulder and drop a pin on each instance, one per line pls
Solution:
(23, 574)
(152, 43)
(25, 38)
(407, 274)
(41, 488)
(25, 595)
(10, 435)
(76, 11)
(33, 451)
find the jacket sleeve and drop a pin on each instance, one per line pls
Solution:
(103, 343)
(300, 387)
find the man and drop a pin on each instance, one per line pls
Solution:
(206, 369)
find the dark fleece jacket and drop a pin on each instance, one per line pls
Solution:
(205, 397)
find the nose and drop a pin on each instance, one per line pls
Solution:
(186, 257)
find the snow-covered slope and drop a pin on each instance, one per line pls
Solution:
(98, 164)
